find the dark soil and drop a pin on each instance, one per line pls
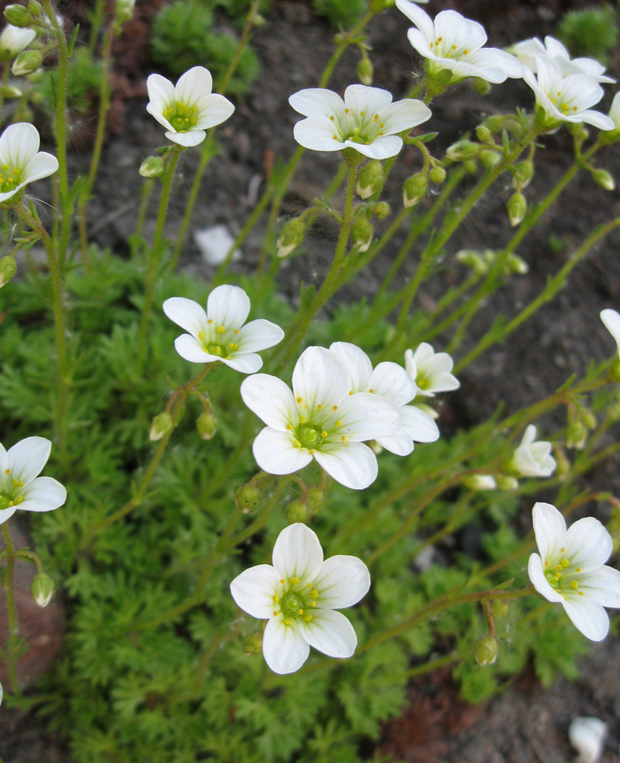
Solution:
(524, 724)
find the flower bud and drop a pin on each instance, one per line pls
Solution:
(259, 20)
(160, 426)
(589, 419)
(34, 7)
(42, 588)
(489, 158)
(370, 179)
(604, 179)
(473, 260)
(206, 424)
(414, 189)
(576, 435)
(484, 134)
(587, 735)
(253, 644)
(8, 269)
(494, 123)
(562, 464)
(291, 236)
(123, 10)
(500, 607)
(486, 651)
(9, 91)
(27, 62)
(516, 264)
(505, 482)
(18, 16)
(361, 233)
(152, 167)
(517, 207)
(381, 210)
(481, 86)
(315, 499)
(296, 511)
(462, 150)
(437, 175)
(248, 498)
(365, 71)
(525, 173)
(479, 482)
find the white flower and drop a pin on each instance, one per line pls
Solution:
(318, 419)
(614, 111)
(611, 319)
(219, 333)
(366, 120)
(480, 482)
(430, 370)
(527, 50)
(188, 109)
(13, 40)
(570, 569)
(298, 596)
(20, 487)
(587, 736)
(21, 162)
(533, 459)
(455, 43)
(391, 381)
(566, 97)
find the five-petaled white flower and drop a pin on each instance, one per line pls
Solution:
(391, 381)
(565, 97)
(189, 108)
(571, 569)
(455, 43)
(20, 487)
(219, 333)
(611, 319)
(526, 51)
(21, 162)
(319, 419)
(298, 597)
(533, 459)
(13, 40)
(365, 120)
(430, 370)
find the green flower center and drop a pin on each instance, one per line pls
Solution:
(10, 492)
(215, 341)
(309, 436)
(180, 116)
(9, 178)
(357, 127)
(296, 601)
(561, 575)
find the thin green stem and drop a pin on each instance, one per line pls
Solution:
(11, 608)
(145, 195)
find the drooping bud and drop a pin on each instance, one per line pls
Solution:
(380, 210)
(525, 173)
(123, 10)
(414, 189)
(589, 419)
(516, 264)
(152, 167)
(494, 123)
(10, 91)
(27, 62)
(296, 511)
(361, 233)
(365, 71)
(489, 158)
(462, 150)
(18, 16)
(206, 424)
(576, 434)
(486, 651)
(248, 498)
(42, 588)
(160, 426)
(291, 236)
(369, 179)
(8, 269)
(34, 7)
(437, 175)
(479, 482)
(604, 179)
(482, 86)
(517, 207)
(253, 644)
(505, 482)
(500, 608)
(473, 260)
(484, 134)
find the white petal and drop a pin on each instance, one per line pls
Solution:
(155, 110)
(7, 514)
(27, 458)
(342, 582)
(284, 648)
(330, 633)
(421, 19)
(496, 65)
(596, 119)
(354, 465)
(400, 443)
(18, 144)
(187, 139)
(297, 553)
(212, 111)
(259, 335)
(161, 92)
(602, 586)
(317, 101)
(254, 590)
(403, 115)
(588, 617)
(41, 165)
(43, 494)
(549, 529)
(536, 574)
(187, 314)
(317, 134)
(228, 306)
(319, 379)
(191, 349)
(365, 417)
(192, 85)
(362, 98)
(588, 544)
(356, 364)
(450, 25)
(380, 148)
(271, 400)
(418, 424)
(391, 381)
(611, 318)
(245, 363)
(276, 453)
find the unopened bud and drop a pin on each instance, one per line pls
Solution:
(27, 61)
(42, 588)
(517, 207)
(516, 264)
(381, 210)
(576, 435)
(484, 134)
(525, 173)
(8, 269)
(248, 498)
(589, 419)
(481, 86)
(259, 20)
(365, 71)
(361, 233)
(369, 179)
(18, 16)
(489, 158)
(160, 426)
(206, 424)
(505, 482)
(414, 189)
(562, 463)
(473, 260)
(479, 482)
(486, 651)
(34, 7)
(9, 91)
(123, 10)
(494, 123)
(253, 644)
(152, 167)
(604, 179)
(437, 175)
(315, 499)
(462, 150)
(296, 511)
(291, 236)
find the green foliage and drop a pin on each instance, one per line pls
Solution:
(343, 13)
(83, 84)
(182, 37)
(590, 32)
